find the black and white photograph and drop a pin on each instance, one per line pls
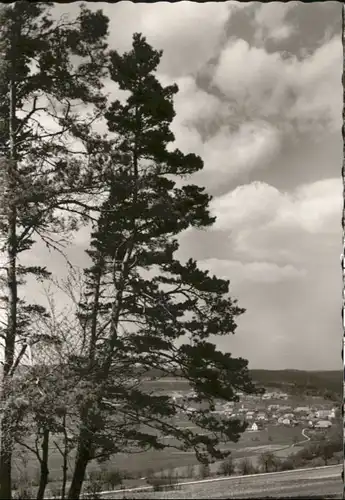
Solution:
(171, 206)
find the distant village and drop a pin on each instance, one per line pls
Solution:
(259, 411)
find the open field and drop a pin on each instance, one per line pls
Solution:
(321, 482)
(250, 444)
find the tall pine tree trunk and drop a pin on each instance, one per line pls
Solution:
(6, 440)
(84, 446)
(6, 458)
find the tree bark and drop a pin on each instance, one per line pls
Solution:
(81, 461)
(11, 184)
(65, 459)
(44, 466)
(6, 459)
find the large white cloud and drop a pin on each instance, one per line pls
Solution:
(316, 207)
(270, 21)
(314, 81)
(239, 145)
(177, 29)
(270, 85)
(231, 154)
(270, 99)
(251, 204)
(283, 267)
(264, 223)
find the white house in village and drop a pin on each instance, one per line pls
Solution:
(325, 413)
(267, 395)
(280, 395)
(261, 416)
(285, 408)
(254, 427)
(302, 409)
(323, 424)
(229, 404)
(191, 410)
(287, 421)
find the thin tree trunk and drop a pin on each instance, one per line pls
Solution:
(81, 462)
(65, 460)
(84, 444)
(44, 466)
(92, 346)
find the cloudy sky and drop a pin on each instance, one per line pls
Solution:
(260, 101)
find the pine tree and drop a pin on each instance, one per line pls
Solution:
(145, 311)
(39, 173)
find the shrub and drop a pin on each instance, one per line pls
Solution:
(93, 487)
(162, 483)
(190, 471)
(170, 473)
(268, 462)
(246, 467)
(336, 443)
(227, 467)
(24, 493)
(326, 451)
(277, 464)
(55, 491)
(297, 460)
(126, 474)
(95, 475)
(317, 462)
(287, 464)
(112, 478)
(149, 473)
(308, 453)
(204, 471)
